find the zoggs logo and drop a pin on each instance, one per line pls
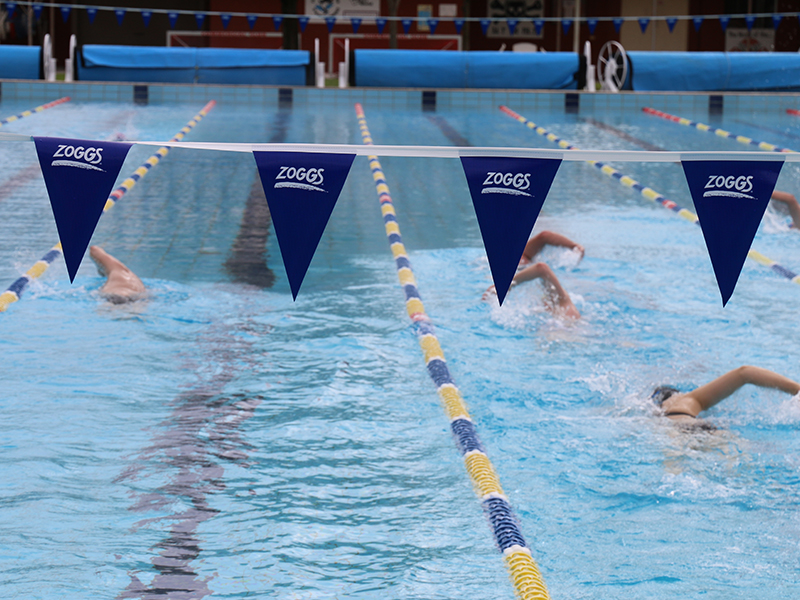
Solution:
(83, 158)
(507, 183)
(300, 178)
(730, 186)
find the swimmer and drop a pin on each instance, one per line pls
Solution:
(546, 238)
(791, 204)
(557, 299)
(122, 284)
(684, 407)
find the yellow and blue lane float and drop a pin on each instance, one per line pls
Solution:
(15, 290)
(523, 570)
(33, 111)
(649, 193)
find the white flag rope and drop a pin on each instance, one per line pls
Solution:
(458, 152)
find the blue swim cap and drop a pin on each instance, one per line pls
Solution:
(662, 392)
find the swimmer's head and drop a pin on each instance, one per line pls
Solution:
(662, 392)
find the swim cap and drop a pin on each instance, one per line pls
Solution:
(662, 392)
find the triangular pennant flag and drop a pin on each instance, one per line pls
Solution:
(618, 24)
(698, 21)
(507, 194)
(643, 23)
(512, 25)
(200, 18)
(592, 23)
(303, 23)
(146, 15)
(173, 18)
(120, 15)
(671, 23)
(432, 24)
(565, 25)
(749, 20)
(330, 22)
(79, 175)
(251, 20)
(459, 23)
(355, 22)
(776, 20)
(276, 21)
(380, 23)
(406, 25)
(730, 198)
(226, 19)
(301, 189)
(91, 13)
(37, 11)
(723, 21)
(65, 10)
(10, 8)
(485, 25)
(537, 26)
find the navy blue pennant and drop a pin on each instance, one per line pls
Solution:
(537, 25)
(512, 25)
(723, 21)
(120, 15)
(485, 25)
(459, 23)
(79, 176)
(251, 20)
(226, 19)
(749, 20)
(37, 11)
(91, 13)
(10, 8)
(508, 194)
(330, 22)
(301, 189)
(698, 21)
(643, 23)
(592, 23)
(200, 18)
(730, 198)
(276, 22)
(146, 15)
(406, 25)
(432, 24)
(303, 23)
(173, 18)
(671, 23)
(65, 10)
(776, 20)
(355, 23)
(380, 23)
(566, 24)
(618, 24)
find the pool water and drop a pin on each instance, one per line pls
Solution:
(221, 440)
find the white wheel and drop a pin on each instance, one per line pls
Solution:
(612, 66)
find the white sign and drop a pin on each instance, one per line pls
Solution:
(755, 40)
(343, 8)
(523, 10)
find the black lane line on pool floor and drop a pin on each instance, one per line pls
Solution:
(247, 262)
(787, 134)
(199, 435)
(449, 131)
(622, 135)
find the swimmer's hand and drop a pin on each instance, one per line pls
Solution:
(579, 249)
(491, 291)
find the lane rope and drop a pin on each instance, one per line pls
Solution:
(650, 193)
(15, 290)
(523, 570)
(742, 139)
(33, 111)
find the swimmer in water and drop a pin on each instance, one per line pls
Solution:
(557, 299)
(791, 204)
(684, 407)
(122, 285)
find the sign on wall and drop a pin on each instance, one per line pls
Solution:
(755, 40)
(343, 8)
(523, 10)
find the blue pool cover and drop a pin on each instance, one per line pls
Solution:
(443, 69)
(20, 62)
(193, 65)
(715, 71)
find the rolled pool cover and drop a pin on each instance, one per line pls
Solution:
(20, 62)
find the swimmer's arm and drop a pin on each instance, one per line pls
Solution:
(714, 392)
(547, 238)
(791, 204)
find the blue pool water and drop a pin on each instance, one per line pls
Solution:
(222, 440)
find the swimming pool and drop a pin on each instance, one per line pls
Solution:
(223, 440)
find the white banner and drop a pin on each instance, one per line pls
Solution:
(343, 8)
(523, 10)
